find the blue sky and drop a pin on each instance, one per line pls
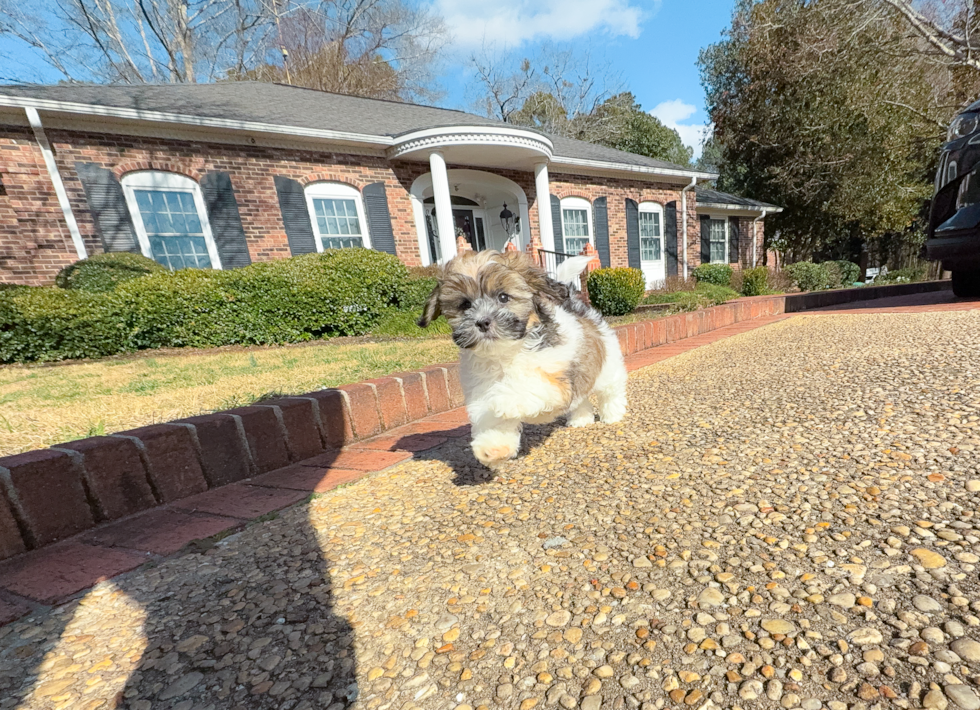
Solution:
(651, 44)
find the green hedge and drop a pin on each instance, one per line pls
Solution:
(808, 276)
(717, 274)
(103, 272)
(850, 272)
(755, 282)
(616, 292)
(906, 275)
(338, 292)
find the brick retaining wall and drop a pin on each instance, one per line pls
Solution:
(50, 494)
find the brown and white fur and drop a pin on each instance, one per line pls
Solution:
(531, 350)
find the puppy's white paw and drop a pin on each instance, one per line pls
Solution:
(612, 412)
(581, 420)
(492, 448)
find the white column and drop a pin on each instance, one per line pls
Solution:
(543, 190)
(444, 206)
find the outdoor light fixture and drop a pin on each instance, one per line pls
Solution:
(433, 222)
(508, 219)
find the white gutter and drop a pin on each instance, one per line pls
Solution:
(755, 238)
(629, 168)
(694, 181)
(59, 187)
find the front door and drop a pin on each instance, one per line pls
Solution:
(471, 225)
(651, 249)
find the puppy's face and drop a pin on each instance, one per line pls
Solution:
(492, 299)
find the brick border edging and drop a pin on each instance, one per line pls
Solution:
(51, 494)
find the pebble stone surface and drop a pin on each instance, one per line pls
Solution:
(786, 519)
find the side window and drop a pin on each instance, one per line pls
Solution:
(718, 235)
(170, 219)
(576, 224)
(337, 214)
(651, 231)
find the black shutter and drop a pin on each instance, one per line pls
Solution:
(108, 207)
(600, 222)
(225, 221)
(633, 233)
(556, 224)
(378, 217)
(733, 240)
(295, 216)
(670, 237)
(705, 240)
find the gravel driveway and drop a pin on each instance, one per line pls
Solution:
(788, 518)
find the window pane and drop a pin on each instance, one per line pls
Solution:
(650, 248)
(180, 252)
(576, 223)
(649, 224)
(718, 238)
(342, 242)
(575, 245)
(336, 217)
(173, 228)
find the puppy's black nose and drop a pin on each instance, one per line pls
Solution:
(483, 324)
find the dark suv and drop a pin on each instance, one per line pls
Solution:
(954, 221)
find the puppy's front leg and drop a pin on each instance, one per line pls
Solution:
(496, 440)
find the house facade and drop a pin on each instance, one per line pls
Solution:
(224, 175)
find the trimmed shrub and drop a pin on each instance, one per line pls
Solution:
(850, 272)
(103, 272)
(416, 291)
(616, 292)
(718, 274)
(808, 276)
(834, 274)
(755, 282)
(338, 292)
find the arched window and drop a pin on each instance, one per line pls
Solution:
(337, 214)
(576, 224)
(171, 220)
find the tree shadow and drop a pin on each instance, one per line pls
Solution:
(242, 621)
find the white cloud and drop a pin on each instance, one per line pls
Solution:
(510, 23)
(672, 113)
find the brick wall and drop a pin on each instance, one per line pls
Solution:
(34, 239)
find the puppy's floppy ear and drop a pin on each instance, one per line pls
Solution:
(432, 310)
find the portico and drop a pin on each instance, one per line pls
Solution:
(474, 203)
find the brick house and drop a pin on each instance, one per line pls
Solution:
(223, 175)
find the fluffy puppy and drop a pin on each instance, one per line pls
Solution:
(531, 350)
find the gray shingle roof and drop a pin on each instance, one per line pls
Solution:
(300, 108)
(707, 196)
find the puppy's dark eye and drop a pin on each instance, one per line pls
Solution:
(465, 304)
(503, 298)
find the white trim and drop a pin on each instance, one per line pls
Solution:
(576, 203)
(467, 136)
(164, 117)
(160, 180)
(710, 206)
(59, 187)
(630, 168)
(335, 191)
(654, 208)
(542, 189)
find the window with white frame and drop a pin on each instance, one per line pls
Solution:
(576, 224)
(337, 214)
(171, 220)
(718, 240)
(651, 231)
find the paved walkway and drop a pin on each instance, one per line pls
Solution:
(788, 518)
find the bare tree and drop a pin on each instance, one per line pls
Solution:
(379, 48)
(559, 89)
(136, 41)
(949, 27)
